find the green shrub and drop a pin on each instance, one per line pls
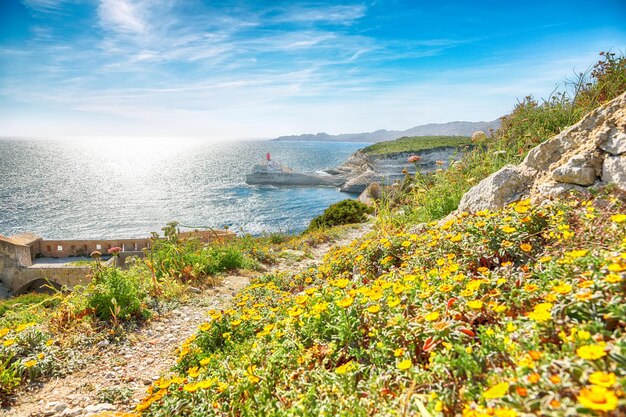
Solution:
(116, 295)
(343, 212)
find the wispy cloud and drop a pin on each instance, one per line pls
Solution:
(45, 5)
(120, 16)
(341, 14)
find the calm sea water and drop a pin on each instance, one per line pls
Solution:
(108, 188)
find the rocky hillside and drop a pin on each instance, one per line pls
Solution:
(431, 129)
(590, 153)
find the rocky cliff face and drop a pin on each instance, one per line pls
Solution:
(591, 152)
(362, 169)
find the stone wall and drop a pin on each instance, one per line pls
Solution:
(16, 255)
(12, 256)
(63, 248)
(28, 279)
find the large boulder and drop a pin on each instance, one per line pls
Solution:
(500, 188)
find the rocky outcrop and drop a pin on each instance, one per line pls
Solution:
(591, 152)
(362, 169)
(502, 187)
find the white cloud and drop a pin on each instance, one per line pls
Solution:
(343, 14)
(120, 16)
(44, 5)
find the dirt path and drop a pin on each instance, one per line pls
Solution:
(117, 377)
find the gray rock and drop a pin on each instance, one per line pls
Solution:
(71, 412)
(581, 169)
(614, 171)
(359, 184)
(545, 154)
(614, 142)
(500, 188)
(98, 408)
(54, 407)
(555, 189)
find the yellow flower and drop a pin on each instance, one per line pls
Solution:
(193, 372)
(525, 247)
(250, 374)
(373, 309)
(191, 387)
(618, 218)
(591, 352)
(295, 311)
(456, 238)
(4, 332)
(432, 316)
(613, 278)
(346, 302)
(505, 412)
(393, 301)
(475, 304)
(598, 398)
(8, 342)
(508, 229)
(541, 312)
(562, 288)
(341, 283)
(30, 363)
(602, 379)
(497, 391)
(205, 361)
(345, 368)
(235, 323)
(405, 364)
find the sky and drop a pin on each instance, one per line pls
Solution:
(264, 68)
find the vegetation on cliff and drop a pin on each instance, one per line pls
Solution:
(415, 144)
(531, 122)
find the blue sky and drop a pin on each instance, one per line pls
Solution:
(256, 69)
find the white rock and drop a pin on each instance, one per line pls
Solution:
(614, 170)
(615, 142)
(54, 407)
(581, 169)
(500, 188)
(98, 408)
(555, 189)
(71, 412)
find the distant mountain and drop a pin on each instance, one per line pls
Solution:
(431, 129)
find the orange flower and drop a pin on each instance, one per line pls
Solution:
(534, 378)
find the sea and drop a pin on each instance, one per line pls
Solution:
(105, 188)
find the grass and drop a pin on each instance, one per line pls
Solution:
(415, 144)
(40, 332)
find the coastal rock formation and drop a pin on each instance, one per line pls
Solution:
(591, 152)
(362, 169)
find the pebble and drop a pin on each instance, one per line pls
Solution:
(71, 412)
(103, 343)
(98, 408)
(54, 407)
